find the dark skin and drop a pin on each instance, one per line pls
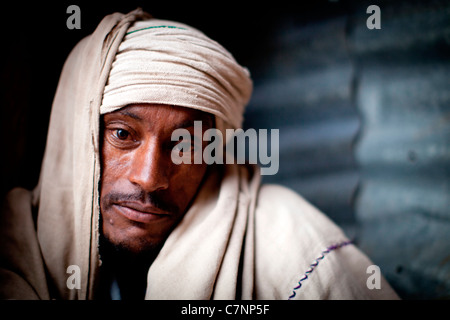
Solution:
(143, 194)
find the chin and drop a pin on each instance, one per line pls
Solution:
(135, 237)
(135, 242)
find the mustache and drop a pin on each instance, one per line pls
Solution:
(152, 199)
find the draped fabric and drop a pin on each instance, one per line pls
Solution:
(166, 62)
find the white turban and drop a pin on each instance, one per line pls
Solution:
(165, 62)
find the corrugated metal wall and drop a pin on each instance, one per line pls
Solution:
(403, 94)
(365, 133)
(306, 91)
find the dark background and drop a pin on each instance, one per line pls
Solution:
(363, 114)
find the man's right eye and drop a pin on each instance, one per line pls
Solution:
(121, 134)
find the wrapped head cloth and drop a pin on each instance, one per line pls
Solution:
(165, 62)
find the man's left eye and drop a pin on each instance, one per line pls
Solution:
(122, 134)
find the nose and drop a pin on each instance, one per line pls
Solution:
(149, 168)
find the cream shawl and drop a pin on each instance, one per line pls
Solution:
(237, 240)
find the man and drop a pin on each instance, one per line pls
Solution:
(114, 217)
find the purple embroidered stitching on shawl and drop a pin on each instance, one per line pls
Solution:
(313, 265)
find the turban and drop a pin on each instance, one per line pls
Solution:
(165, 62)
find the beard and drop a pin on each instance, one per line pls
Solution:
(128, 267)
(122, 252)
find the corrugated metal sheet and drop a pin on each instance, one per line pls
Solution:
(403, 207)
(364, 119)
(306, 92)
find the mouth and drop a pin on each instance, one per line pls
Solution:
(140, 213)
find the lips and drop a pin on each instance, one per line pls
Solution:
(140, 213)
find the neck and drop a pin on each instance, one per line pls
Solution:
(128, 269)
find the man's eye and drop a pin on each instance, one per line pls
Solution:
(122, 134)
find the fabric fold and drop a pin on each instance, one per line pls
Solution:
(213, 231)
(166, 62)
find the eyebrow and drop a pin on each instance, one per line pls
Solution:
(190, 123)
(185, 124)
(130, 114)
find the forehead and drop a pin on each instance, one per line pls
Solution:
(159, 115)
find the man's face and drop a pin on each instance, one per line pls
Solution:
(143, 193)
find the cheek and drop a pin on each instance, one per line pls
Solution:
(114, 165)
(186, 181)
(113, 170)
